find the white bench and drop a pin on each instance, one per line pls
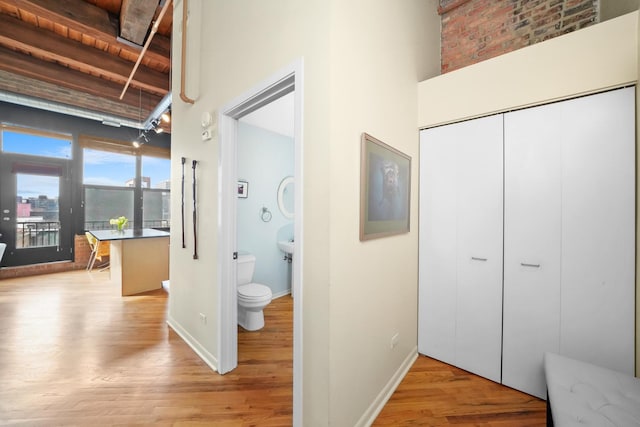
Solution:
(582, 394)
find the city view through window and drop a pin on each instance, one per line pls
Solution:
(37, 211)
(37, 194)
(37, 201)
(109, 181)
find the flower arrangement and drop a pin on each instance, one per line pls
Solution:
(120, 222)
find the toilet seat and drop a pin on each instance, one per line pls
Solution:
(253, 292)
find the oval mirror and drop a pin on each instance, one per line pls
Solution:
(286, 197)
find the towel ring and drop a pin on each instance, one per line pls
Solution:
(265, 215)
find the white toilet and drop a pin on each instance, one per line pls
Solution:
(252, 297)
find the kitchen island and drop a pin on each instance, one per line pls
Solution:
(139, 258)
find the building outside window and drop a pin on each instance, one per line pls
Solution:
(110, 182)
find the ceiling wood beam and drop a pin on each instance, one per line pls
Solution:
(26, 66)
(11, 83)
(135, 19)
(92, 21)
(15, 34)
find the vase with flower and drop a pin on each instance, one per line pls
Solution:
(119, 222)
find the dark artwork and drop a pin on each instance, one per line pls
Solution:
(387, 189)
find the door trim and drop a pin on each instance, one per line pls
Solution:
(287, 80)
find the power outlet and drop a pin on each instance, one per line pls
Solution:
(394, 340)
(203, 318)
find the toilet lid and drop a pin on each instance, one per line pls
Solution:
(254, 290)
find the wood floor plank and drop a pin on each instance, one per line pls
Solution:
(73, 352)
(437, 394)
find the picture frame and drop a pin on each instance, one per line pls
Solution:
(385, 189)
(243, 189)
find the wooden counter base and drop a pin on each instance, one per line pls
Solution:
(139, 265)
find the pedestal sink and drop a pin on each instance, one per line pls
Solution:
(286, 246)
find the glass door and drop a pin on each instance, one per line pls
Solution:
(35, 211)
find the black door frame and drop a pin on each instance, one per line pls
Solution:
(46, 166)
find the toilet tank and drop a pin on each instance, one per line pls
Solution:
(246, 266)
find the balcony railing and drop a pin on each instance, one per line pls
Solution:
(37, 234)
(104, 225)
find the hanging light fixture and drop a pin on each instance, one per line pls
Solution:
(155, 125)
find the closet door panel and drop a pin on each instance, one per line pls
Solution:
(532, 246)
(479, 254)
(598, 229)
(437, 244)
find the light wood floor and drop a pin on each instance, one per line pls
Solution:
(73, 352)
(436, 394)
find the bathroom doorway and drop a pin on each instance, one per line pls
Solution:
(265, 203)
(287, 82)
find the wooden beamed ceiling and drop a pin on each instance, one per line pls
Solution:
(81, 53)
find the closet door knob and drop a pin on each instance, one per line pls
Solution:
(475, 258)
(524, 264)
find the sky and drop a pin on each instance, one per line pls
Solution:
(100, 167)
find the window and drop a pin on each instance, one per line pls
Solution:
(108, 193)
(37, 211)
(108, 169)
(102, 204)
(35, 143)
(111, 173)
(36, 167)
(156, 200)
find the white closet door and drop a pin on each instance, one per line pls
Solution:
(460, 298)
(598, 229)
(437, 245)
(532, 245)
(479, 247)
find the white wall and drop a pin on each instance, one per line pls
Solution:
(362, 61)
(594, 59)
(242, 43)
(379, 51)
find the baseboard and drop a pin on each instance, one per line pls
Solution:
(207, 357)
(281, 294)
(377, 405)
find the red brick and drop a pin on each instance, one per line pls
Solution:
(474, 30)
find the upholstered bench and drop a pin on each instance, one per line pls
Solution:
(582, 394)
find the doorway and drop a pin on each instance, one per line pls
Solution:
(288, 80)
(35, 210)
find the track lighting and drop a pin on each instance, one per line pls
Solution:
(142, 139)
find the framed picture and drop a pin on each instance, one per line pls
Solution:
(385, 188)
(243, 189)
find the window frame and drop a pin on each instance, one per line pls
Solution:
(122, 147)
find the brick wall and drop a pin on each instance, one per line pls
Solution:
(475, 30)
(81, 250)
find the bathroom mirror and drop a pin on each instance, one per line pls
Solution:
(286, 197)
